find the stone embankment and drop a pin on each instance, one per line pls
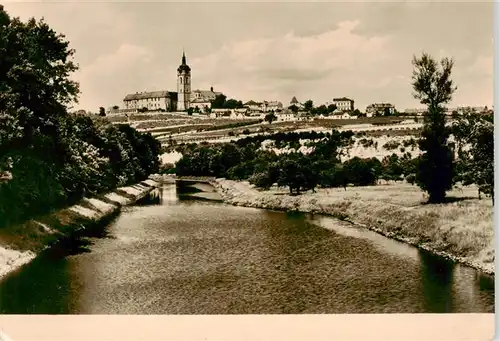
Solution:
(461, 231)
(20, 244)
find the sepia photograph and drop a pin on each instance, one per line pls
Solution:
(251, 158)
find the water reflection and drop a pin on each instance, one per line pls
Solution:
(437, 283)
(45, 286)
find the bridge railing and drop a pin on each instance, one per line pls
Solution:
(196, 178)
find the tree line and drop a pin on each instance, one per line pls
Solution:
(246, 159)
(50, 157)
(442, 164)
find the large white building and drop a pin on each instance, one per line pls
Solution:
(166, 100)
(343, 104)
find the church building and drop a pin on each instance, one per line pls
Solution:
(166, 100)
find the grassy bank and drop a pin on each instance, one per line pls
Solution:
(20, 243)
(461, 230)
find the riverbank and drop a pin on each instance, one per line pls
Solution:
(461, 230)
(19, 244)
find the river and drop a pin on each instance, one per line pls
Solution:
(179, 255)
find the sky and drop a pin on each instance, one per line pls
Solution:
(272, 51)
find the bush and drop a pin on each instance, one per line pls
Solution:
(391, 145)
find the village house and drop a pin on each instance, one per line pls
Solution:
(342, 115)
(274, 106)
(296, 103)
(415, 111)
(343, 103)
(152, 101)
(285, 116)
(380, 109)
(202, 99)
(254, 107)
(220, 113)
(265, 106)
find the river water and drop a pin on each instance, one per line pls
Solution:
(176, 255)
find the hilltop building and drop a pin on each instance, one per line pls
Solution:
(166, 100)
(381, 109)
(295, 102)
(265, 106)
(343, 103)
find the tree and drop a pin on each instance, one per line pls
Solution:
(102, 111)
(35, 85)
(232, 104)
(294, 108)
(474, 135)
(358, 113)
(115, 107)
(434, 88)
(308, 105)
(295, 172)
(332, 108)
(218, 102)
(271, 117)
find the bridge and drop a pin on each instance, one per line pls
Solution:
(207, 179)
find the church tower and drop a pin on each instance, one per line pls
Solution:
(183, 85)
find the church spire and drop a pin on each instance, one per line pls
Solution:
(183, 57)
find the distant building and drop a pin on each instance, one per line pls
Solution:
(274, 106)
(416, 111)
(165, 100)
(254, 106)
(153, 100)
(381, 109)
(344, 103)
(264, 106)
(342, 115)
(295, 102)
(202, 99)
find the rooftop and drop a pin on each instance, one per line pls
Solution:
(150, 94)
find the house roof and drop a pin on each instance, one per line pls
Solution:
(294, 100)
(150, 94)
(207, 93)
(200, 100)
(252, 103)
(381, 105)
(342, 99)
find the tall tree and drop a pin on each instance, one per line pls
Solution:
(473, 134)
(270, 117)
(308, 105)
(434, 88)
(35, 85)
(219, 101)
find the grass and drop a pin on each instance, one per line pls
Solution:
(461, 230)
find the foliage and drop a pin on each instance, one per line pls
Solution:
(271, 117)
(220, 102)
(102, 111)
(474, 134)
(391, 145)
(293, 108)
(434, 88)
(55, 158)
(308, 105)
